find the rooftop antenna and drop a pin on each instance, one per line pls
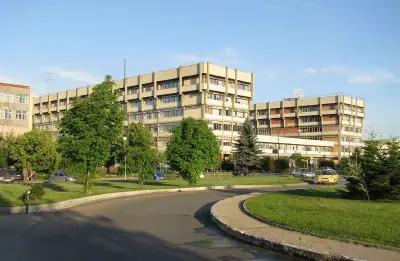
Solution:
(298, 93)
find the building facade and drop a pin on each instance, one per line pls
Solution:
(220, 95)
(15, 108)
(339, 119)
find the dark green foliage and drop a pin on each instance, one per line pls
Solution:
(90, 128)
(326, 163)
(227, 165)
(281, 164)
(36, 193)
(6, 143)
(245, 155)
(193, 149)
(267, 164)
(35, 151)
(299, 160)
(142, 157)
(374, 173)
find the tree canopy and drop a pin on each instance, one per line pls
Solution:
(90, 128)
(193, 149)
(35, 151)
(142, 157)
(245, 155)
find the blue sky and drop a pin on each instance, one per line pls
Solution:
(323, 47)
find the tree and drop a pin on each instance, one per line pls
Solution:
(245, 155)
(6, 143)
(35, 151)
(267, 163)
(193, 149)
(299, 160)
(281, 164)
(391, 165)
(90, 128)
(142, 157)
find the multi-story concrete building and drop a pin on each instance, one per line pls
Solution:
(334, 118)
(15, 108)
(220, 95)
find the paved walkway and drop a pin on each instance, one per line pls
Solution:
(228, 215)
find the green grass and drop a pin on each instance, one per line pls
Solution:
(324, 212)
(10, 193)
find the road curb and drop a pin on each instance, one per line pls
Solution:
(224, 222)
(56, 206)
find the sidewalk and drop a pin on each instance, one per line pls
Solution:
(227, 214)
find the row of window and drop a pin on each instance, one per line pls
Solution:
(6, 114)
(294, 147)
(225, 127)
(310, 119)
(164, 127)
(138, 116)
(14, 98)
(228, 112)
(351, 129)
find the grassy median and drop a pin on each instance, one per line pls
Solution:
(10, 194)
(324, 212)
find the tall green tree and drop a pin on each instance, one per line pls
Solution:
(35, 151)
(299, 160)
(142, 157)
(6, 143)
(245, 155)
(193, 149)
(90, 128)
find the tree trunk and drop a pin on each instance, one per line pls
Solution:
(25, 174)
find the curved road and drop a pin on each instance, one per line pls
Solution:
(154, 227)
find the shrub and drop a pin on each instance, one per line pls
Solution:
(281, 164)
(266, 164)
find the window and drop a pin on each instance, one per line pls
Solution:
(171, 113)
(63, 102)
(263, 122)
(190, 80)
(214, 96)
(227, 127)
(21, 98)
(168, 127)
(217, 81)
(147, 87)
(168, 85)
(309, 108)
(134, 104)
(243, 86)
(170, 99)
(217, 126)
(262, 112)
(311, 129)
(149, 102)
(309, 119)
(20, 115)
(133, 90)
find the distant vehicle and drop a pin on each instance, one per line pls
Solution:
(60, 176)
(159, 175)
(303, 173)
(326, 177)
(10, 176)
(326, 169)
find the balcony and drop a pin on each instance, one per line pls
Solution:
(218, 88)
(245, 93)
(167, 91)
(329, 112)
(308, 113)
(214, 102)
(244, 106)
(190, 88)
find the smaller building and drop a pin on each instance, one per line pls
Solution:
(339, 119)
(15, 108)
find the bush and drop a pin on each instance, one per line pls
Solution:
(281, 164)
(266, 164)
(326, 163)
(36, 192)
(227, 165)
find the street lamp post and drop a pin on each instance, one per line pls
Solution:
(124, 138)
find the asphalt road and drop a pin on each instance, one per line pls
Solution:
(155, 227)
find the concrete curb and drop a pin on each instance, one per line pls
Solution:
(50, 207)
(225, 220)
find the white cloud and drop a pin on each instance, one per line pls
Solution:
(354, 76)
(70, 74)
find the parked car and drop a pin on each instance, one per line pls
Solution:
(8, 176)
(303, 173)
(326, 177)
(60, 176)
(159, 175)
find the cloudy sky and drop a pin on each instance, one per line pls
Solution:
(322, 47)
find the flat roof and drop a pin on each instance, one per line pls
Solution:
(14, 85)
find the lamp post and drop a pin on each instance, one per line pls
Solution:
(124, 139)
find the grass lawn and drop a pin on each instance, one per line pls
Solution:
(10, 193)
(324, 212)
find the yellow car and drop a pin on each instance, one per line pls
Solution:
(326, 177)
